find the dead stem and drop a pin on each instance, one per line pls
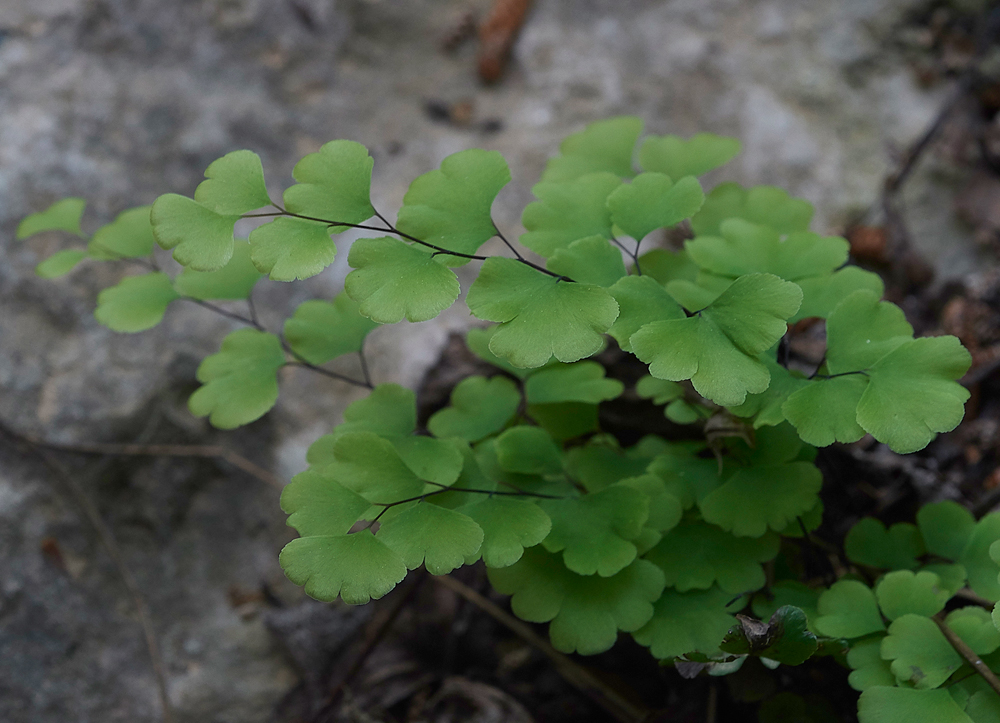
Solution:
(576, 675)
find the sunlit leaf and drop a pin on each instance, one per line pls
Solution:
(333, 184)
(320, 331)
(717, 349)
(234, 185)
(479, 407)
(240, 380)
(392, 280)
(357, 567)
(129, 236)
(289, 248)
(652, 201)
(568, 211)
(590, 260)
(62, 215)
(137, 303)
(450, 207)
(235, 280)
(606, 145)
(677, 157)
(540, 316)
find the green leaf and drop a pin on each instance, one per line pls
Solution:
(450, 207)
(869, 543)
(765, 205)
(478, 341)
(580, 382)
(848, 610)
(488, 461)
(660, 391)
(439, 538)
(200, 237)
(677, 158)
(320, 331)
(586, 611)
(594, 532)
(904, 705)
(974, 626)
(590, 260)
(568, 211)
(696, 296)
(686, 622)
(479, 407)
(869, 669)
(392, 280)
(984, 707)
(334, 184)
(921, 656)
(601, 462)
(761, 497)
(436, 460)
(62, 215)
(746, 248)
(912, 393)
(356, 567)
(137, 303)
(665, 266)
(60, 263)
(233, 281)
(240, 381)
(129, 236)
(822, 294)
(767, 407)
(565, 421)
(688, 477)
(652, 201)
(370, 465)
(786, 592)
(976, 558)
(824, 411)
(695, 555)
(509, 526)
(540, 316)
(718, 348)
(665, 510)
(605, 145)
(389, 410)
(528, 450)
(946, 527)
(952, 577)
(641, 301)
(289, 248)
(317, 504)
(903, 592)
(862, 330)
(234, 185)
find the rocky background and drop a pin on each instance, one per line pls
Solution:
(118, 101)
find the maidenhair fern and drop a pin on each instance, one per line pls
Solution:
(665, 540)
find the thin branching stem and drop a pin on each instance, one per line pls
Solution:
(299, 360)
(402, 234)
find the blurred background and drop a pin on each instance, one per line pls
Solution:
(118, 101)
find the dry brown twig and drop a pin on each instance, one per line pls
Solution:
(597, 690)
(110, 544)
(210, 451)
(968, 654)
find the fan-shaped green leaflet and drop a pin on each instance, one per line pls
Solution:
(450, 207)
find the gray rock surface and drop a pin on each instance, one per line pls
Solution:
(121, 100)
